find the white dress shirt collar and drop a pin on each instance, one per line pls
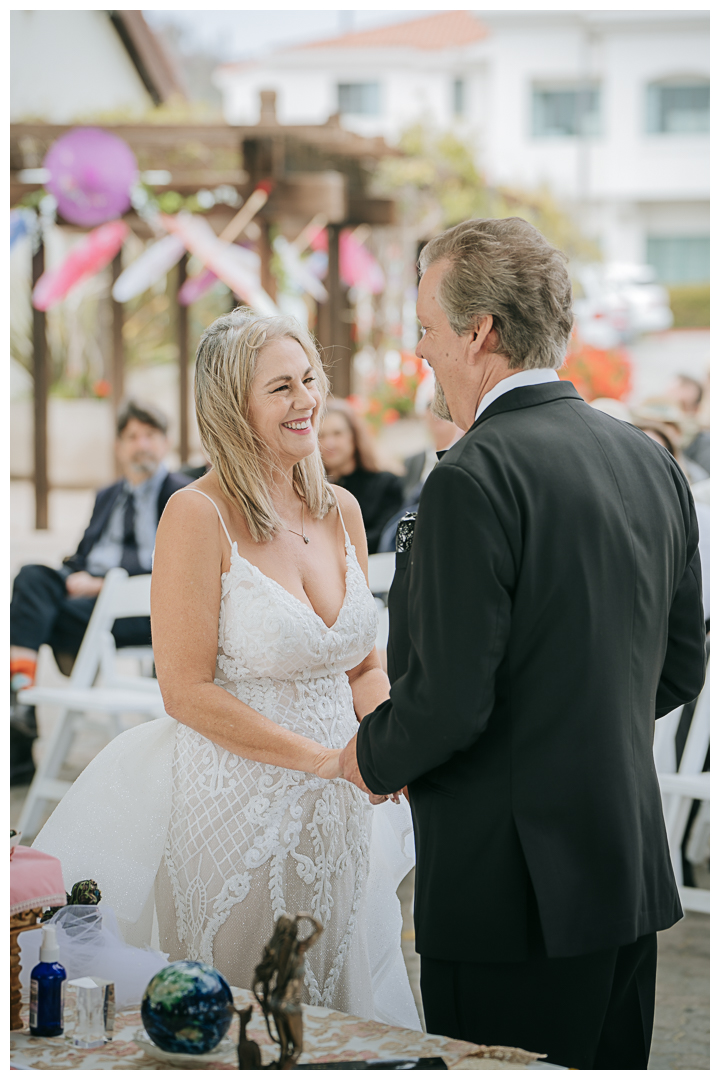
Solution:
(531, 377)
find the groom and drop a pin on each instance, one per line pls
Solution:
(548, 611)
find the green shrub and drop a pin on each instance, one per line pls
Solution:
(690, 304)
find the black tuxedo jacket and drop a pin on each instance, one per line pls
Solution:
(104, 502)
(549, 610)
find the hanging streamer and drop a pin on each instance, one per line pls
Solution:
(91, 255)
(197, 285)
(299, 271)
(222, 258)
(148, 268)
(357, 266)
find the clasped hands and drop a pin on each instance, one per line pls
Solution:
(343, 763)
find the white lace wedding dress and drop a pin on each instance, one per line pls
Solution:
(221, 846)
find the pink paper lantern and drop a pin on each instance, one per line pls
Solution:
(91, 174)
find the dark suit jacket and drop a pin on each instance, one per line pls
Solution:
(549, 610)
(104, 502)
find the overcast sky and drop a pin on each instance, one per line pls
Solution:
(236, 34)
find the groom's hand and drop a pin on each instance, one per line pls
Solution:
(349, 766)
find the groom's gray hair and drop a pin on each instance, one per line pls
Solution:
(506, 268)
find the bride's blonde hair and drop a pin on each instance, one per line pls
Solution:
(225, 368)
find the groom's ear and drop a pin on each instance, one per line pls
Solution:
(482, 339)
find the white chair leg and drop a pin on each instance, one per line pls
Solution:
(664, 742)
(45, 784)
(115, 725)
(695, 899)
(697, 849)
(677, 812)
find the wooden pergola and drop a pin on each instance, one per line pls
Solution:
(315, 169)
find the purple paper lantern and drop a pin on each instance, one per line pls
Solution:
(91, 174)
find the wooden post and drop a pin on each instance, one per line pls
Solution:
(182, 343)
(40, 397)
(338, 329)
(266, 252)
(117, 377)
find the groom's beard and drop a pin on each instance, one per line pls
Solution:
(439, 405)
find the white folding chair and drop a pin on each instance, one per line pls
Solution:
(381, 570)
(681, 786)
(113, 696)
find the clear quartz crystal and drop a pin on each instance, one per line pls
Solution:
(89, 1033)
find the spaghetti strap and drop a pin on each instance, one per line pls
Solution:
(199, 492)
(342, 520)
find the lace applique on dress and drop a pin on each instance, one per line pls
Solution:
(249, 842)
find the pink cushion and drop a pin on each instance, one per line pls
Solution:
(35, 880)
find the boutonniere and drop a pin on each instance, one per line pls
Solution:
(405, 532)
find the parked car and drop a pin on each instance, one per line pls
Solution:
(619, 302)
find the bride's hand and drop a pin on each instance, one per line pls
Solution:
(328, 764)
(376, 800)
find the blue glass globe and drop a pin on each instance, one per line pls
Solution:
(185, 1008)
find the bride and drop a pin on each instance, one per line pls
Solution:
(234, 812)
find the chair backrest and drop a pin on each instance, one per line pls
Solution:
(664, 741)
(698, 737)
(120, 597)
(381, 571)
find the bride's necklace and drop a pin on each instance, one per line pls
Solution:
(302, 524)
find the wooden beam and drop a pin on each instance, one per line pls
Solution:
(366, 211)
(182, 343)
(40, 397)
(329, 137)
(308, 194)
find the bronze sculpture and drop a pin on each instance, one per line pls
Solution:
(280, 976)
(248, 1051)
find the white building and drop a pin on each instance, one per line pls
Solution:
(66, 66)
(610, 109)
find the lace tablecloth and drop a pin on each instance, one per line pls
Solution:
(328, 1036)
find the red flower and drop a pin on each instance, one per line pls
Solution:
(597, 372)
(102, 388)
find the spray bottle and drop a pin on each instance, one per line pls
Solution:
(47, 988)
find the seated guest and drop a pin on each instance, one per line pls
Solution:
(666, 424)
(350, 461)
(53, 607)
(689, 394)
(443, 433)
(653, 420)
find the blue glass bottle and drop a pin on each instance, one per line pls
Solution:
(47, 988)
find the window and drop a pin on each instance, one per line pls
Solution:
(566, 111)
(678, 107)
(359, 99)
(458, 97)
(679, 258)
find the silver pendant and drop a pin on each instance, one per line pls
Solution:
(306, 538)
